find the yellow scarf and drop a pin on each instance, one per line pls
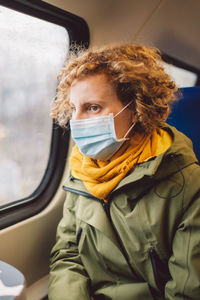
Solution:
(101, 177)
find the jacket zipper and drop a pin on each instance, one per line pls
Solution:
(79, 233)
(106, 206)
(155, 261)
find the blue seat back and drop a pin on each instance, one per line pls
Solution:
(185, 116)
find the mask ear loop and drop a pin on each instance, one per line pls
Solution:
(132, 126)
(123, 109)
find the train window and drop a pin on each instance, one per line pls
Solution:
(32, 52)
(183, 74)
(35, 39)
(182, 77)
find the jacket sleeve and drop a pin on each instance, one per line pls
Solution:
(68, 278)
(184, 264)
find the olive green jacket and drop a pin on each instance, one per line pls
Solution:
(145, 244)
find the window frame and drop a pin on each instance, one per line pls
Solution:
(178, 63)
(78, 31)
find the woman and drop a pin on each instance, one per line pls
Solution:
(131, 219)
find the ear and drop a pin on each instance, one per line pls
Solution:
(134, 118)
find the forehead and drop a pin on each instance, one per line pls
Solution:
(91, 87)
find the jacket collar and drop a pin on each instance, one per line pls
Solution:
(177, 157)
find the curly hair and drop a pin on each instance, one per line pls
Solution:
(135, 71)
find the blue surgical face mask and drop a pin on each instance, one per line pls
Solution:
(96, 137)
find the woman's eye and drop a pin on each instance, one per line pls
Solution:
(94, 108)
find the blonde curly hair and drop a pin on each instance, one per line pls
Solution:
(136, 72)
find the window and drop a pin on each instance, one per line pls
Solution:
(35, 38)
(183, 74)
(182, 77)
(32, 52)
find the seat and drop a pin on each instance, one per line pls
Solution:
(185, 116)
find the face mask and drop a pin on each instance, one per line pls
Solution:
(96, 137)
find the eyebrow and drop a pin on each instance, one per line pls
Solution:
(89, 102)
